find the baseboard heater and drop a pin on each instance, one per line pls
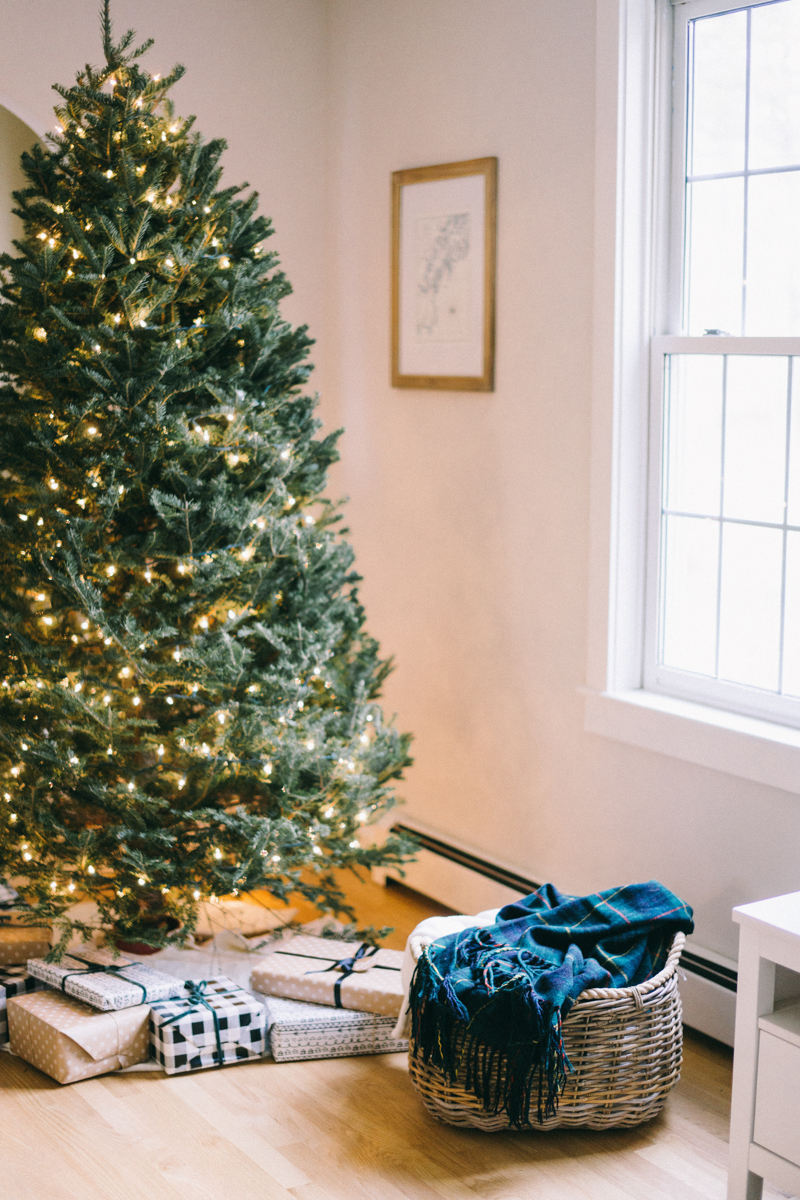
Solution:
(482, 866)
(469, 883)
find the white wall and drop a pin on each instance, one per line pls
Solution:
(469, 513)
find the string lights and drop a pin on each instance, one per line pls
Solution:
(163, 674)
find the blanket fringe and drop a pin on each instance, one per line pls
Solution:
(502, 1072)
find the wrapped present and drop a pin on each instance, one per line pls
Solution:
(69, 1040)
(327, 971)
(105, 981)
(14, 981)
(211, 1023)
(20, 937)
(9, 896)
(296, 1031)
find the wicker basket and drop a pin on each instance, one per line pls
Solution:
(625, 1048)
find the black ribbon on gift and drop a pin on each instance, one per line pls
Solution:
(102, 969)
(197, 999)
(347, 966)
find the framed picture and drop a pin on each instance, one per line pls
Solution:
(444, 222)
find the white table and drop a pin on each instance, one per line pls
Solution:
(765, 1107)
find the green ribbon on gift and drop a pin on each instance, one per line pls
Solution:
(196, 989)
(101, 969)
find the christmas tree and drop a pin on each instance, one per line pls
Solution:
(188, 694)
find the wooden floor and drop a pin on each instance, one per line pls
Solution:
(341, 1129)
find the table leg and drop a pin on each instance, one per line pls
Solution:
(755, 996)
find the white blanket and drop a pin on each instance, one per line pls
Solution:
(430, 930)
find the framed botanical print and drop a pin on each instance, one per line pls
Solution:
(444, 222)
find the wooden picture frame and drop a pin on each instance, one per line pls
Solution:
(444, 235)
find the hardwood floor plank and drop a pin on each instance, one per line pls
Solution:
(341, 1129)
(197, 1093)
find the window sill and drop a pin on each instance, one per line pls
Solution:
(743, 746)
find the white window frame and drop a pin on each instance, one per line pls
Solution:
(637, 258)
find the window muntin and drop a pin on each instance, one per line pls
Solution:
(742, 172)
(723, 612)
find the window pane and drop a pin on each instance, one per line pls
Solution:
(775, 85)
(773, 255)
(750, 605)
(694, 434)
(755, 438)
(690, 593)
(717, 91)
(791, 635)
(793, 509)
(714, 255)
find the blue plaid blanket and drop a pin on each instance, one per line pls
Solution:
(495, 997)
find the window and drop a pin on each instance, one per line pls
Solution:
(722, 620)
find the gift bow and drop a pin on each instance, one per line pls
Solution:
(348, 966)
(197, 999)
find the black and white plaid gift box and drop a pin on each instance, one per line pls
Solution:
(213, 1022)
(297, 1030)
(14, 981)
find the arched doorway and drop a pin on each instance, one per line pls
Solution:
(15, 136)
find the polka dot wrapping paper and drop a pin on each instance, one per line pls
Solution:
(329, 971)
(105, 981)
(20, 941)
(14, 981)
(69, 1040)
(296, 1031)
(185, 1036)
